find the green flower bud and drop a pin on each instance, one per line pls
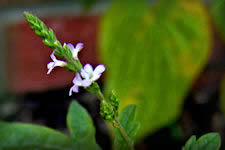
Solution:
(38, 33)
(52, 35)
(44, 34)
(48, 43)
(57, 44)
(114, 101)
(115, 124)
(106, 111)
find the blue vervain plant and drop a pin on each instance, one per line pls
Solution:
(24, 136)
(85, 76)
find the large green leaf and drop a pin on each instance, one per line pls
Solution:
(81, 127)
(19, 136)
(153, 55)
(130, 125)
(217, 9)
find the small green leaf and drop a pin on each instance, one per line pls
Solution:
(210, 141)
(81, 127)
(189, 144)
(130, 125)
(20, 136)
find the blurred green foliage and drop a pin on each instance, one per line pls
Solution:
(19, 136)
(222, 96)
(153, 54)
(87, 4)
(217, 9)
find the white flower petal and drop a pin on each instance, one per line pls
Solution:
(49, 70)
(51, 65)
(75, 51)
(75, 54)
(60, 63)
(71, 90)
(79, 46)
(99, 69)
(84, 74)
(77, 80)
(86, 83)
(96, 77)
(70, 45)
(54, 63)
(53, 56)
(88, 68)
(77, 77)
(74, 88)
(98, 72)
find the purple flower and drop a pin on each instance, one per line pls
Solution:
(77, 81)
(54, 63)
(91, 75)
(75, 50)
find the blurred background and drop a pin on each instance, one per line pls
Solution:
(166, 56)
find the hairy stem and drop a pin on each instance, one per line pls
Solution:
(100, 95)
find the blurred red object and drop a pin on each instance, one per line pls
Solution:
(27, 56)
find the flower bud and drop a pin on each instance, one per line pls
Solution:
(106, 111)
(114, 101)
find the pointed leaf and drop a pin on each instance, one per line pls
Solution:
(210, 141)
(81, 127)
(190, 143)
(130, 125)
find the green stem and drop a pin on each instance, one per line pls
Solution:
(100, 95)
(121, 129)
(124, 135)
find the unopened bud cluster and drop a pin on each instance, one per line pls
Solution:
(114, 101)
(109, 109)
(106, 111)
